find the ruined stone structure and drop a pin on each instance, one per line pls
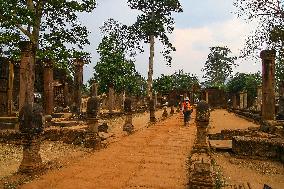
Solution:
(152, 111)
(93, 109)
(27, 73)
(268, 84)
(280, 115)
(259, 98)
(241, 100)
(31, 127)
(78, 83)
(165, 113)
(48, 87)
(111, 98)
(234, 101)
(201, 170)
(128, 126)
(214, 97)
(6, 87)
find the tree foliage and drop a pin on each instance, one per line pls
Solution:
(52, 26)
(179, 82)
(156, 19)
(114, 69)
(269, 14)
(218, 66)
(244, 82)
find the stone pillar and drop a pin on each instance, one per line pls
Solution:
(95, 89)
(27, 73)
(259, 98)
(66, 94)
(111, 98)
(152, 111)
(241, 100)
(31, 127)
(78, 83)
(268, 84)
(10, 89)
(207, 96)
(48, 87)
(234, 101)
(280, 115)
(128, 126)
(92, 139)
(156, 99)
(245, 100)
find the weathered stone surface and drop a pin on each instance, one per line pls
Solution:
(93, 107)
(103, 128)
(202, 112)
(272, 148)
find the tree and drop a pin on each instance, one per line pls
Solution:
(114, 69)
(48, 26)
(269, 14)
(155, 22)
(179, 81)
(218, 66)
(245, 82)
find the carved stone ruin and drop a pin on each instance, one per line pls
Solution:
(201, 171)
(152, 111)
(259, 98)
(245, 100)
(268, 84)
(111, 98)
(241, 100)
(31, 127)
(48, 87)
(6, 87)
(93, 108)
(27, 73)
(280, 115)
(128, 126)
(234, 101)
(78, 83)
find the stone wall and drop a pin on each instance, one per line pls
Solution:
(271, 148)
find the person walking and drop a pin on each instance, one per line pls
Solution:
(187, 110)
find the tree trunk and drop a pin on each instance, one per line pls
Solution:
(150, 79)
(27, 74)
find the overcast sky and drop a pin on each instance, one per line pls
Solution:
(204, 23)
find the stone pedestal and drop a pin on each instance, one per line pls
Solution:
(268, 84)
(128, 126)
(31, 161)
(78, 83)
(27, 73)
(48, 87)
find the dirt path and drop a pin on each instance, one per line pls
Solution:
(151, 158)
(221, 119)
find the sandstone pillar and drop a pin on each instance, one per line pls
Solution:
(95, 89)
(66, 94)
(48, 87)
(128, 126)
(111, 98)
(241, 100)
(280, 115)
(207, 96)
(268, 84)
(27, 73)
(259, 98)
(10, 88)
(245, 100)
(234, 101)
(78, 83)
(152, 111)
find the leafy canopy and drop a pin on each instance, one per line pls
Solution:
(156, 19)
(52, 26)
(114, 69)
(218, 66)
(179, 81)
(269, 14)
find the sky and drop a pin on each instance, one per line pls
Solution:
(202, 24)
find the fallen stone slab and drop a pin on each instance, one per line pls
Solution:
(64, 123)
(220, 144)
(8, 123)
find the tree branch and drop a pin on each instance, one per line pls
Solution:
(31, 5)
